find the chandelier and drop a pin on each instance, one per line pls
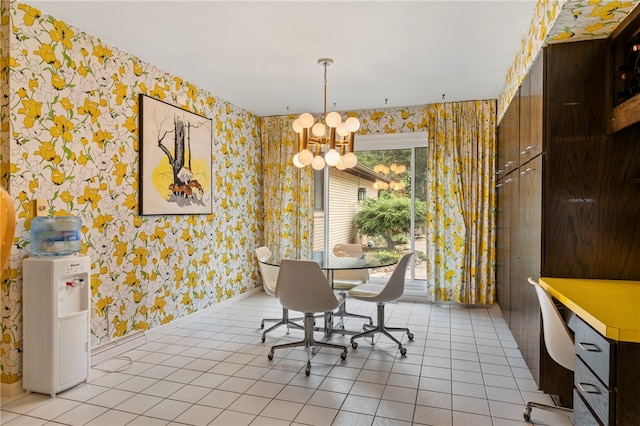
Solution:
(333, 138)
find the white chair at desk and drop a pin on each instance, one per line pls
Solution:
(557, 340)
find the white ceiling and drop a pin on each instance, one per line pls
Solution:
(262, 55)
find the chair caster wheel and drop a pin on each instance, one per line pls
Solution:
(403, 351)
(370, 321)
(262, 326)
(527, 414)
(354, 345)
(263, 338)
(343, 355)
(270, 356)
(410, 336)
(307, 369)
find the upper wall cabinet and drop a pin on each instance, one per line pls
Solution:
(624, 71)
(531, 113)
(509, 138)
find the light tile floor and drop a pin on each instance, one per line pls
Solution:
(462, 368)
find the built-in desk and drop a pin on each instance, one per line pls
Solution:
(607, 341)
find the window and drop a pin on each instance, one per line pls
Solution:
(400, 162)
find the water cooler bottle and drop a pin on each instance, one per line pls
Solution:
(56, 322)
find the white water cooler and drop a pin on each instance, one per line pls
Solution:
(56, 322)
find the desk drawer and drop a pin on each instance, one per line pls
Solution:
(582, 415)
(596, 351)
(598, 397)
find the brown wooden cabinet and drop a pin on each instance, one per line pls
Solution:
(572, 197)
(519, 235)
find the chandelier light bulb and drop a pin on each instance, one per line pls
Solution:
(306, 120)
(305, 157)
(333, 119)
(296, 161)
(296, 126)
(318, 162)
(318, 130)
(350, 160)
(332, 157)
(342, 130)
(352, 123)
(340, 165)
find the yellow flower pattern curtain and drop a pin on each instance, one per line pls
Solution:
(287, 192)
(461, 201)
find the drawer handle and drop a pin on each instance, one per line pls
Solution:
(589, 347)
(594, 388)
(527, 171)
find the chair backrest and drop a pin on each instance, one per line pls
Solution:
(394, 288)
(349, 276)
(269, 272)
(303, 287)
(557, 338)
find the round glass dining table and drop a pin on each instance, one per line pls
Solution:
(332, 262)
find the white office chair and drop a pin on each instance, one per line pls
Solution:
(269, 280)
(303, 287)
(558, 341)
(381, 294)
(346, 279)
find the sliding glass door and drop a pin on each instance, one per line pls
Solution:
(380, 203)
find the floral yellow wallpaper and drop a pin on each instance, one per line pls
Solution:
(69, 135)
(588, 19)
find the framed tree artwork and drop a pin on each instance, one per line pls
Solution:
(174, 159)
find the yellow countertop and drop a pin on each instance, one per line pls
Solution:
(612, 307)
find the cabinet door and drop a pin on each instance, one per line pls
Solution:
(532, 144)
(509, 138)
(527, 250)
(73, 349)
(504, 193)
(525, 121)
(516, 308)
